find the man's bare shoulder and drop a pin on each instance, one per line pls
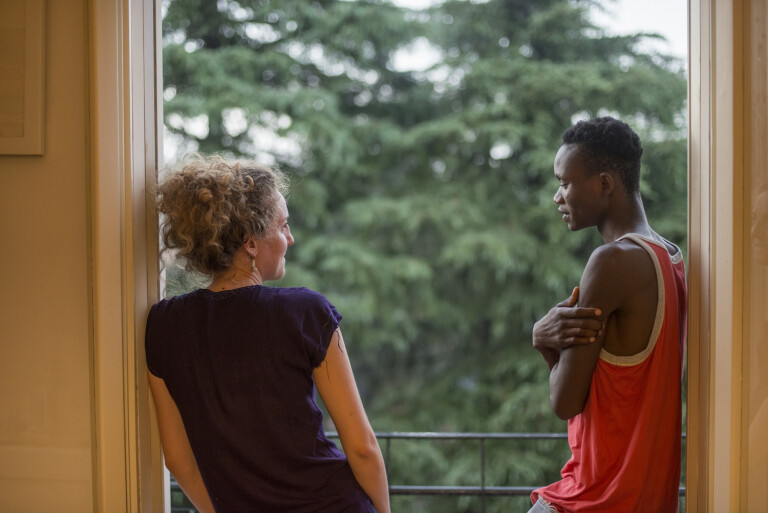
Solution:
(616, 270)
(618, 256)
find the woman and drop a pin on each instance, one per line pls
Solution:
(233, 367)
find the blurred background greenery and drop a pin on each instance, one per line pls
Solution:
(420, 145)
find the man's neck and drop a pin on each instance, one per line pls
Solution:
(627, 217)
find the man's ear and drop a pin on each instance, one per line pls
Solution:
(607, 182)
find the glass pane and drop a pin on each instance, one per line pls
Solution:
(420, 136)
(756, 450)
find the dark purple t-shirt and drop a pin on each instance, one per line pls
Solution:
(239, 366)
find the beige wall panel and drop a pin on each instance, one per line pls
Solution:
(79, 492)
(45, 420)
(755, 449)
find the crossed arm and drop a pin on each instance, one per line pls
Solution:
(570, 338)
(566, 325)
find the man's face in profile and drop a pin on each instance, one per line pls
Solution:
(578, 195)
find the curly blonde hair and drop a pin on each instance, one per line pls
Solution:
(210, 206)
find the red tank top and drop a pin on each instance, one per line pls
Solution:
(626, 444)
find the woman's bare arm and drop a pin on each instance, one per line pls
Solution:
(178, 453)
(336, 385)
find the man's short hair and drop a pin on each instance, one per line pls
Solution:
(610, 145)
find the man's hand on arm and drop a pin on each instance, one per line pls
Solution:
(606, 285)
(566, 325)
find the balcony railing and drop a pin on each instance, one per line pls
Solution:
(481, 490)
(179, 503)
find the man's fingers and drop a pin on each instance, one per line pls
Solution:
(575, 336)
(581, 312)
(584, 331)
(572, 300)
(582, 340)
(592, 325)
(582, 336)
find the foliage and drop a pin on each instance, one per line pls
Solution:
(422, 198)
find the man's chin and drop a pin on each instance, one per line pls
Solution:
(575, 227)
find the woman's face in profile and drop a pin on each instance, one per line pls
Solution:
(270, 255)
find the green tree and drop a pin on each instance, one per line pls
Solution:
(422, 200)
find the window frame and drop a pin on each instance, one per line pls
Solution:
(126, 117)
(719, 52)
(124, 64)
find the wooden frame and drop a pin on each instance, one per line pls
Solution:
(127, 462)
(124, 57)
(721, 138)
(22, 77)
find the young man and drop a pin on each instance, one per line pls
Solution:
(621, 393)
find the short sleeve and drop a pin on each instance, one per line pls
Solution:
(320, 321)
(151, 346)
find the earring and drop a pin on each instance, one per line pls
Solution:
(253, 264)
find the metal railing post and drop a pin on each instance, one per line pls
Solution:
(386, 462)
(482, 474)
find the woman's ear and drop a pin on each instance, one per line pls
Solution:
(251, 246)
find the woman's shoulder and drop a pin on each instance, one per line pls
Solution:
(299, 296)
(173, 301)
(268, 299)
(302, 307)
